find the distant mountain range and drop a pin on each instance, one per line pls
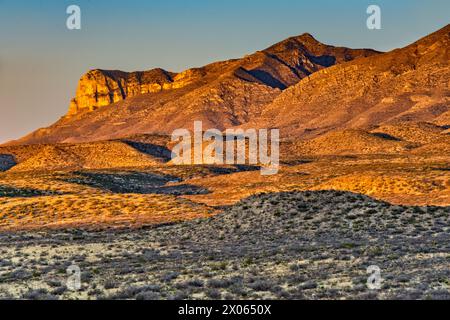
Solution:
(304, 87)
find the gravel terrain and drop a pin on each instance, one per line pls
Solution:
(296, 245)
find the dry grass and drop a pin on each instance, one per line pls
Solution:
(165, 194)
(60, 200)
(399, 180)
(97, 211)
(130, 182)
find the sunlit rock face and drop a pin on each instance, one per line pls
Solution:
(279, 66)
(299, 85)
(99, 88)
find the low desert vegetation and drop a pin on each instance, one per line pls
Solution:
(364, 182)
(292, 245)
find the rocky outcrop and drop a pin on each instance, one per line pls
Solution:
(100, 88)
(299, 85)
(279, 66)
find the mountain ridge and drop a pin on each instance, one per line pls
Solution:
(98, 88)
(409, 84)
(292, 85)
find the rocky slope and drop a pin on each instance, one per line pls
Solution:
(299, 85)
(351, 142)
(112, 104)
(309, 245)
(130, 153)
(281, 65)
(409, 85)
(100, 88)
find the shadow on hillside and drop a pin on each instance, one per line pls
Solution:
(385, 136)
(295, 162)
(325, 60)
(7, 161)
(232, 169)
(441, 168)
(151, 149)
(11, 192)
(134, 182)
(268, 79)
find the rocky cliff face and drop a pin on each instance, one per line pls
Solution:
(99, 88)
(279, 66)
(115, 104)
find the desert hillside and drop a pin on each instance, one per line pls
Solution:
(408, 85)
(355, 120)
(293, 85)
(114, 104)
(363, 180)
(293, 245)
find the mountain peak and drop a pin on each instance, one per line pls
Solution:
(225, 93)
(303, 41)
(409, 84)
(306, 36)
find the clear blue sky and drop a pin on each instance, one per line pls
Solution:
(41, 61)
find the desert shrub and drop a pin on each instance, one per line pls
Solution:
(261, 285)
(39, 294)
(213, 294)
(196, 283)
(59, 291)
(308, 285)
(220, 283)
(110, 284)
(148, 295)
(167, 277)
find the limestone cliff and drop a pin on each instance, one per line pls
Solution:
(221, 94)
(99, 88)
(299, 85)
(279, 66)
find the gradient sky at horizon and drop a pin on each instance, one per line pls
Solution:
(41, 60)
